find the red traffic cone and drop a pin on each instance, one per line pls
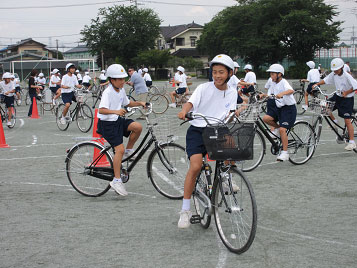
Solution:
(2, 137)
(209, 160)
(34, 109)
(173, 83)
(103, 162)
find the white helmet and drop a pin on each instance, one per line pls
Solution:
(6, 75)
(116, 71)
(69, 65)
(103, 71)
(55, 71)
(276, 68)
(248, 67)
(12, 76)
(236, 65)
(181, 69)
(145, 70)
(41, 75)
(224, 60)
(311, 64)
(337, 64)
(86, 73)
(77, 71)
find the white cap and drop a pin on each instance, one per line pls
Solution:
(55, 71)
(69, 65)
(311, 64)
(86, 73)
(236, 65)
(276, 68)
(181, 69)
(116, 71)
(145, 70)
(6, 75)
(41, 75)
(248, 67)
(103, 71)
(224, 60)
(337, 64)
(77, 71)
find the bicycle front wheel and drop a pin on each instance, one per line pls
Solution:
(59, 113)
(235, 212)
(160, 103)
(259, 148)
(167, 167)
(299, 97)
(84, 118)
(77, 168)
(302, 143)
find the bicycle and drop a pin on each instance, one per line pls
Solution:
(322, 108)
(5, 115)
(299, 95)
(301, 138)
(97, 92)
(89, 164)
(230, 197)
(159, 102)
(82, 113)
(18, 100)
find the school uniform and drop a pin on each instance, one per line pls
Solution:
(41, 82)
(346, 68)
(147, 79)
(9, 98)
(68, 93)
(271, 107)
(282, 110)
(212, 102)
(79, 78)
(111, 126)
(233, 83)
(17, 85)
(182, 78)
(343, 82)
(250, 77)
(313, 76)
(53, 86)
(86, 80)
(102, 78)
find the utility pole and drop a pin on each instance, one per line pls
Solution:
(102, 54)
(57, 47)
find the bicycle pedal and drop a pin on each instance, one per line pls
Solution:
(195, 219)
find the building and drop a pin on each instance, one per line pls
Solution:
(81, 52)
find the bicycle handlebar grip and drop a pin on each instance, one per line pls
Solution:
(189, 116)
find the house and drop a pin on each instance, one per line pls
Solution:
(81, 52)
(181, 40)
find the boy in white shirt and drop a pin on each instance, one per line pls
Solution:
(113, 126)
(249, 81)
(147, 77)
(68, 84)
(7, 87)
(79, 77)
(86, 80)
(41, 81)
(313, 77)
(234, 82)
(55, 85)
(283, 109)
(346, 86)
(181, 81)
(16, 81)
(102, 77)
(224, 99)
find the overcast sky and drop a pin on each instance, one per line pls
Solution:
(21, 23)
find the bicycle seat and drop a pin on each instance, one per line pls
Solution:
(354, 110)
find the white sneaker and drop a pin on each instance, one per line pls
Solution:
(19, 102)
(54, 102)
(119, 188)
(350, 146)
(184, 221)
(304, 107)
(8, 123)
(63, 120)
(283, 157)
(172, 105)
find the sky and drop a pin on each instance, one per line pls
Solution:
(26, 18)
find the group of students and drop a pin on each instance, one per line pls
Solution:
(9, 86)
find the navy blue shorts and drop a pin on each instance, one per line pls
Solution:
(114, 131)
(180, 90)
(272, 109)
(343, 105)
(80, 82)
(239, 99)
(194, 141)
(67, 97)
(287, 116)
(103, 81)
(247, 90)
(309, 87)
(54, 89)
(17, 89)
(148, 83)
(9, 101)
(86, 84)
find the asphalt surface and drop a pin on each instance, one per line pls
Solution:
(307, 215)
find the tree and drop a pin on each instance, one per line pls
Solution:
(153, 58)
(121, 33)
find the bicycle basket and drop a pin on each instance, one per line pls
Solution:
(296, 85)
(232, 142)
(2, 98)
(321, 106)
(79, 97)
(249, 112)
(166, 127)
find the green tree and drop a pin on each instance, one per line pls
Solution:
(152, 58)
(121, 33)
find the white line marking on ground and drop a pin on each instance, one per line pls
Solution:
(22, 122)
(34, 139)
(46, 122)
(44, 144)
(222, 257)
(32, 157)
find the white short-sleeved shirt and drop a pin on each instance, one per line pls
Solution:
(102, 77)
(140, 71)
(183, 80)
(112, 100)
(282, 86)
(250, 77)
(346, 68)
(41, 81)
(69, 81)
(177, 76)
(86, 79)
(147, 77)
(17, 82)
(79, 76)
(210, 101)
(313, 76)
(233, 82)
(7, 87)
(342, 83)
(54, 79)
(268, 85)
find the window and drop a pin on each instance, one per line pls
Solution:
(180, 41)
(193, 42)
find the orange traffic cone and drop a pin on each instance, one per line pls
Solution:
(173, 83)
(34, 109)
(209, 160)
(2, 137)
(103, 162)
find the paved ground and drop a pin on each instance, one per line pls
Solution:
(307, 214)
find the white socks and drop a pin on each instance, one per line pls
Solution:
(186, 204)
(351, 141)
(117, 180)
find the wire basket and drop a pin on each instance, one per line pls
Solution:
(166, 127)
(231, 142)
(321, 106)
(249, 112)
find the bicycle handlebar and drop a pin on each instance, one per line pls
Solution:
(148, 106)
(191, 116)
(318, 89)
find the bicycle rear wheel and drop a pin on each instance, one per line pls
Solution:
(59, 113)
(84, 118)
(77, 168)
(302, 143)
(167, 167)
(201, 210)
(160, 103)
(235, 212)
(259, 148)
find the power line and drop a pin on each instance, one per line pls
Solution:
(39, 36)
(181, 4)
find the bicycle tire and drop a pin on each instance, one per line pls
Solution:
(299, 96)
(84, 118)
(78, 159)
(202, 184)
(301, 136)
(318, 128)
(168, 182)
(13, 118)
(160, 103)
(259, 150)
(228, 218)
(59, 112)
